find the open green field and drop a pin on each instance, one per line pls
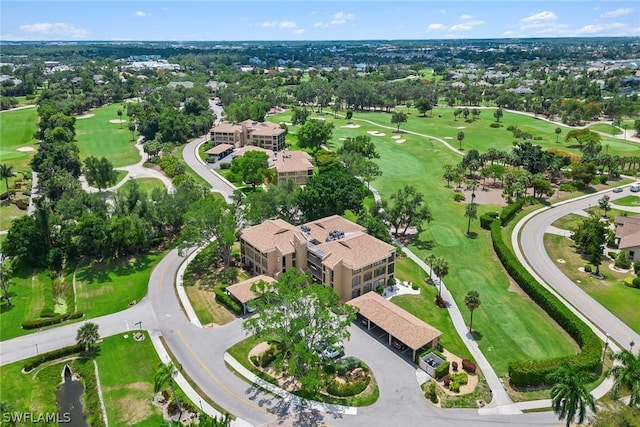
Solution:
(104, 289)
(16, 131)
(605, 128)
(619, 299)
(509, 326)
(97, 136)
(145, 184)
(631, 201)
(569, 222)
(127, 382)
(8, 212)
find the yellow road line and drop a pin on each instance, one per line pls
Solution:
(216, 379)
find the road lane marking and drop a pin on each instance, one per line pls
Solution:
(217, 380)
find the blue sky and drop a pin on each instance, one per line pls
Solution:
(314, 20)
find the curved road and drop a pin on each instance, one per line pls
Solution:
(532, 253)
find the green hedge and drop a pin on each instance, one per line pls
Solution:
(227, 301)
(52, 355)
(511, 210)
(38, 323)
(485, 221)
(442, 370)
(535, 372)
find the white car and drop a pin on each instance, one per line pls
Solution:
(635, 187)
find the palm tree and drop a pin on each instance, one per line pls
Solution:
(626, 375)
(569, 394)
(120, 117)
(87, 335)
(472, 301)
(431, 260)
(471, 212)
(460, 137)
(558, 131)
(441, 268)
(132, 129)
(163, 376)
(6, 172)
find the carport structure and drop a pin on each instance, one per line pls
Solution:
(399, 324)
(242, 291)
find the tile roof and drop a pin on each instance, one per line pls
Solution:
(628, 230)
(402, 325)
(272, 234)
(242, 290)
(292, 161)
(356, 250)
(219, 149)
(320, 228)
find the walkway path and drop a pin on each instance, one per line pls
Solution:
(215, 180)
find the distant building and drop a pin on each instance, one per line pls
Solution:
(335, 251)
(261, 134)
(294, 165)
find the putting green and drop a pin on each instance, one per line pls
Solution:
(443, 235)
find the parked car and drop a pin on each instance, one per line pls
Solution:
(398, 344)
(330, 352)
(618, 190)
(635, 187)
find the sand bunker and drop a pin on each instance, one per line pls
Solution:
(25, 149)
(117, 121)
(350, 126)
(460, 127)
(342, 139)
(396, 137)
(287, 123)
(375, 133)
(400, 141)
(85, 116)
(448, 137)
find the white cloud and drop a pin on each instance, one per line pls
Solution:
(140, 14)
(320, 25)
(460, 27)
(509, 34)
(540, 17)
(618, 12)
(279, 24)
(614, 28)
(298, 31)
(465, 17)
(341, 18)
(436, 27)
(55, 30)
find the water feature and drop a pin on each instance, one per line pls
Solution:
(68, 397)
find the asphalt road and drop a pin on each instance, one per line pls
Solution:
(534, 254)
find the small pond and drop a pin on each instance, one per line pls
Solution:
(68, 399)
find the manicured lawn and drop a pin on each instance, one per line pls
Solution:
(8, 212)
(18, 127)
(509, 325)
(97, 136)
(127, 382)
(619, 299)
(145, 184)
(605, 128)
(204, 304)
(632, 201)
(423, 307)
(27, 291)
(104, 289)
(198, 179)
(569, 222)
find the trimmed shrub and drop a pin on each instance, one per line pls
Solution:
(469, 366)
(38, 323)
(380, 289)
(454, 386)
(440, 302)
(225, 165)
(567, 187)
(227, 301)
(461, 378)
(446, 380)
(430, 393)
(350, 388)
(587, 268)
(511, 210)
(635, 283)
(454, 366)
(442, 370)
(485, 221)
(414, 286)
(52, 355)
(458, 197)
(622, 260)
(495, 125)
(636, 268)
(493, 214)
(536, 372)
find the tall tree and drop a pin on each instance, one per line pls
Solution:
(398, 118)
(87, 335)
(6, 172)
(251, 167)
(299, 315)
(569, 394)
(498, 114)
(626, 376)
(331, 192)
(604, 204)
(164, 376)
(6, 272)
(472, 301)
(471, 213)
(132, 129)
(99, 172)
(558, 131)
(314, 133)
(460, 137)
(440, 268)
(423, 105)
(408, 209)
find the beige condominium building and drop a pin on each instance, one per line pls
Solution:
(334, 251)
(262, 134)
(293, 164)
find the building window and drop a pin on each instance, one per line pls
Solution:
(379, 271)
(390, 268)
(355, 281)
(366, 288)
(368, 276)
(355, 293)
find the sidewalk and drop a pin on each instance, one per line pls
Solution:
(501, 404)
(195, 398)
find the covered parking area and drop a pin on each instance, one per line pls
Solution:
(402, 327)
(243, 293)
